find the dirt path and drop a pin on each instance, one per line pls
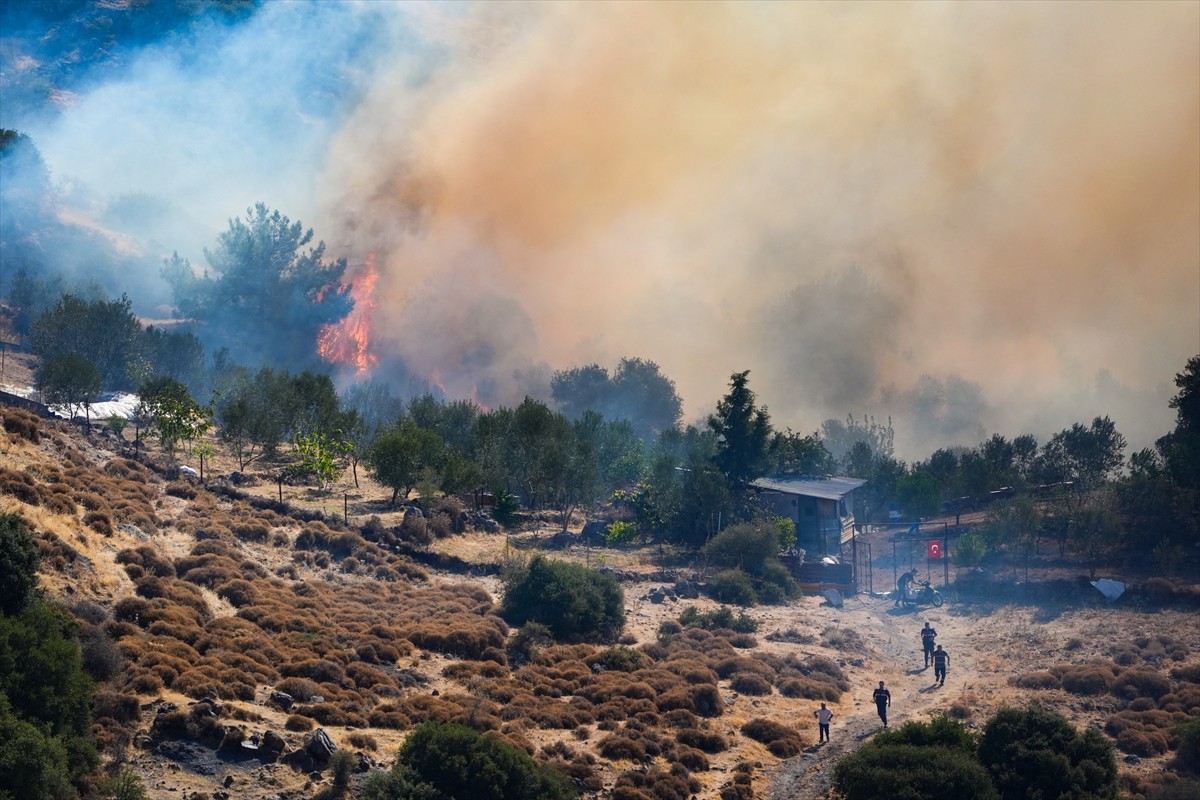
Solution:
(893, 637)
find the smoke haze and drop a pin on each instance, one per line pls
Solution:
(972, 218)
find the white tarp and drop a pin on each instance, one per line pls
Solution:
(834, 597)
(1110, 589)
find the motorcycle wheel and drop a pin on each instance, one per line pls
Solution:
(937, 600)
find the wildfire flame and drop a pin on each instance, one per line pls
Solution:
(349, 341)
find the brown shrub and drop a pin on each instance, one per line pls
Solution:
(705, 740)
(1141, 682)
(1088, 679)
(21, 423)
(1037, 680)
(100, 522)
(809, 689)
(238, 593)
(363, 741)
(618, 747)
(692, 759)
(766, 730)
(251, 532)
(181, 490)
(296, 722)
(123, 708)
(1141, 742)
(750, 683)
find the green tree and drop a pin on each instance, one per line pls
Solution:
(45, 703)
(267, 291)
(69, 379)
(644, 396)
(918, 493)
(1095, 529)
(574, 602)
(969, 550)
(1013, 525)
(743, 433)
(104, 332)
(124, 785)
(1085, 455)
(172, 411)
(1033, 752)
(792, 454)
(397, 457)
(18, 564)
(321, 456)
(748, 546)
(1181, 448)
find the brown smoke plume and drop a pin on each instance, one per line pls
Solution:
(983, 216)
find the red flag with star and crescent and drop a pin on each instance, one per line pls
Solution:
(933, 549)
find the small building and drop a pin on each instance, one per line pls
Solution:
(820, 507)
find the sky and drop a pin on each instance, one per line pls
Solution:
(970, 218)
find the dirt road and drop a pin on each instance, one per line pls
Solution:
(893, 639)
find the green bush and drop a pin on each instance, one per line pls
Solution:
(125, 785)
(1033, 752)
(732, 586)
(43, 682)
(574, 602)
(747, 546)
(1187, 752)
(721, 618)
(941, 731)
(18, 564)
(442, 761)
(620, 658)
(885, 772)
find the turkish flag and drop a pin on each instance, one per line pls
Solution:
(933, 549)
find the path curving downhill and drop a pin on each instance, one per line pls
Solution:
(893, 635)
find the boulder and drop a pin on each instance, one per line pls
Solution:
(320, 746)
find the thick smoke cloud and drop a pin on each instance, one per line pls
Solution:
(967, 217)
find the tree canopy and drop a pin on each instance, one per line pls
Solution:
(267, 290)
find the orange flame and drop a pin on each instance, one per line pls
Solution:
(349, 341)
(436, 380)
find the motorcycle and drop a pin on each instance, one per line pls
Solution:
(922, 595)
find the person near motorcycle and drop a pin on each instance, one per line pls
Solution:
(928, 634)
(941, 660)
(902, 586)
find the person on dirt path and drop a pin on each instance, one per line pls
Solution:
(823, 716)
(928, 634)
(883, 699)
(941, 660)
(902, 586)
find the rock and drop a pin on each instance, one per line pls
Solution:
(320, 746)
(281, 699)
(362, 763)
(272, 746)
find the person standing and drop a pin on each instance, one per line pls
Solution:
(941, 660)
(928, 634)
(883, 699)
(902, 587)
(823, 715)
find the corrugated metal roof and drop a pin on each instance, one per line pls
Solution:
(824, 488)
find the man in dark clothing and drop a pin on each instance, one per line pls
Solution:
(941, 660)
(928, 634)
(883, 699)
(902, 587)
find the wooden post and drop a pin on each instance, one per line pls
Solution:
(280, 479)
(346, 507)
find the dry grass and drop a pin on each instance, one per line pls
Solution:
(212, 595)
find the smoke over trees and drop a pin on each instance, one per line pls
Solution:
(637, 391)
(269, 292)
